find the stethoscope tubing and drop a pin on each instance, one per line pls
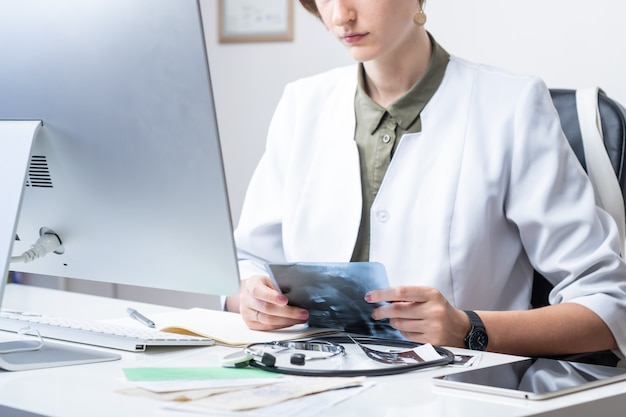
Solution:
(447, 358)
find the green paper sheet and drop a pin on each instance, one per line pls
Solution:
(172, 374)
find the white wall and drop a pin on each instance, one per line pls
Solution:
(248, 79)
(569, 43)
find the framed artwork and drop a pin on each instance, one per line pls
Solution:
(255, 20)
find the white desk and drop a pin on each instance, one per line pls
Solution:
(89, 390)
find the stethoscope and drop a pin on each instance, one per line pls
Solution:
(264, 356)
(258, 352)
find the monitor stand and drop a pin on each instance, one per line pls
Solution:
(16, 140)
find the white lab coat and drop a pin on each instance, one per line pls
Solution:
(489, 190)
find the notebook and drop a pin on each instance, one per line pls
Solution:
(224, 327)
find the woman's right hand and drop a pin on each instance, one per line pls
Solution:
(262, 307)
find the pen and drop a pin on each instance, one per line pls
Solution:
(140, 317)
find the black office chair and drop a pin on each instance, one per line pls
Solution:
(613, 117)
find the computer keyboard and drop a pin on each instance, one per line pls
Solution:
(96, 333)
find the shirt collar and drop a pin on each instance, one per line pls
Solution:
(407, 108)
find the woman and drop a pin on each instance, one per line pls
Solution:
(455, 176)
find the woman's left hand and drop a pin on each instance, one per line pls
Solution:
(421, 314)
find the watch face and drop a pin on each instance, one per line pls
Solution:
(477, 340)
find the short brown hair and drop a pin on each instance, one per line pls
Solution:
(311, 7)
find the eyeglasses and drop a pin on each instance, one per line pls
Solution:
(15, 346)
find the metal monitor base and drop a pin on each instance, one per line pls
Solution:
(51, 355)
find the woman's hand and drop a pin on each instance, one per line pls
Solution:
(421, 314)
(262, 307)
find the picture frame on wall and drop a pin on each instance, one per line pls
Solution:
(255, 21)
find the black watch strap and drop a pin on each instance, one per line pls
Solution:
(477, 338)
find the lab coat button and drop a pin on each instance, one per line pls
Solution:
(383, 216)
(386, 138)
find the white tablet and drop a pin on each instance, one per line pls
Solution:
(533, 379)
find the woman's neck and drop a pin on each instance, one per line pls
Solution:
(389, 77)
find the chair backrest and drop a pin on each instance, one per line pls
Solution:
(613, 117)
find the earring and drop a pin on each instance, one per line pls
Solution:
(420, 16)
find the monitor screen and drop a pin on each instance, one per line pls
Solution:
(126, 167)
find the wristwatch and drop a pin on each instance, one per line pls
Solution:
(477, 338)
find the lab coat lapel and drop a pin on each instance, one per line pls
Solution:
(326, 226)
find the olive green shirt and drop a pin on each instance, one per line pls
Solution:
(379, 131)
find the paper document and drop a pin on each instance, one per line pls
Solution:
(253, 390)
(195, 373)
(267, 395)
(307, 406)
(193, 383)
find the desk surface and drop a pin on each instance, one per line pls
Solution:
(89, 390)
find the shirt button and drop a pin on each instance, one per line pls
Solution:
(386, 138)
(382, 215)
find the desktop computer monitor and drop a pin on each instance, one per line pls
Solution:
(126, 167)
